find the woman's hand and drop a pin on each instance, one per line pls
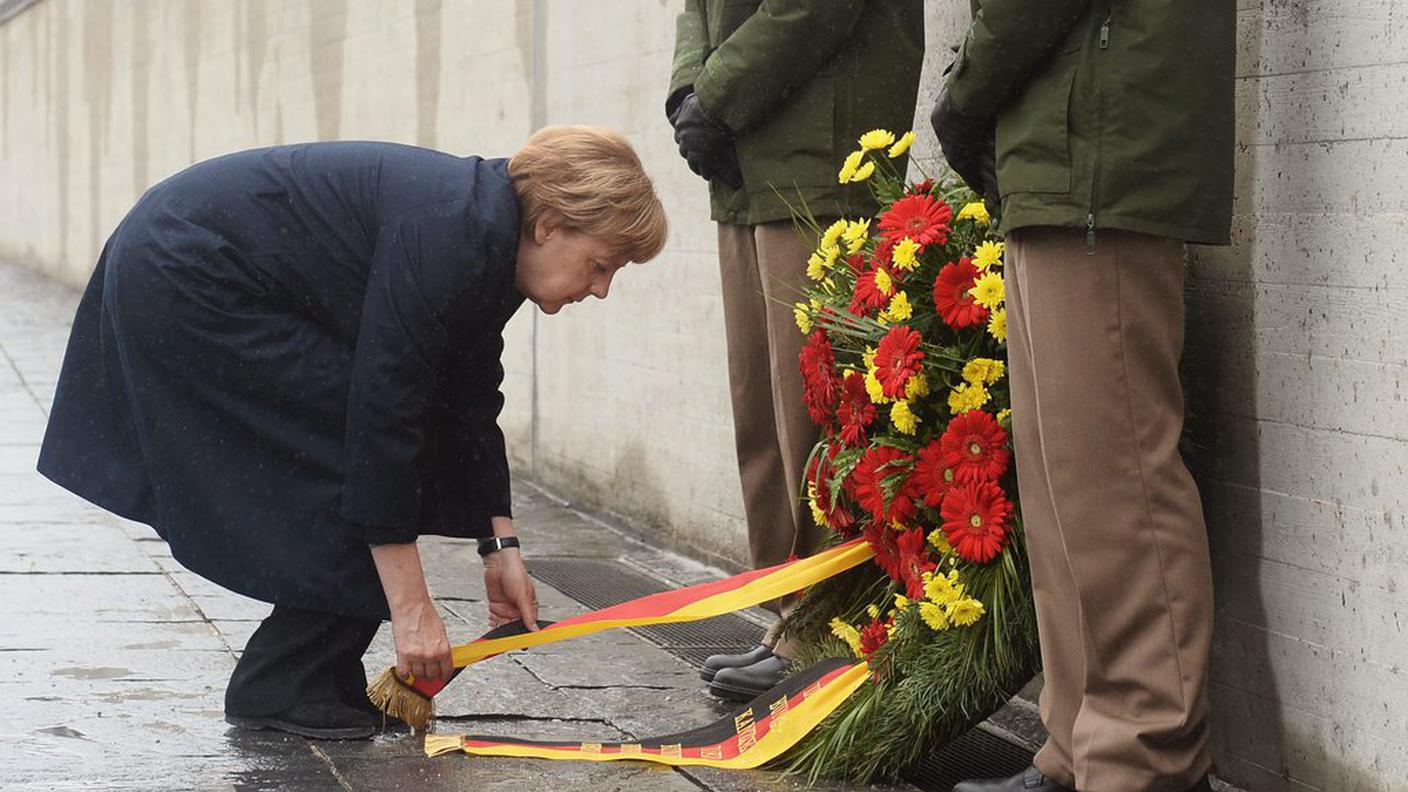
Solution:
(422, 648)
(511, 592)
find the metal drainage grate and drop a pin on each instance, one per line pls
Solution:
(599, 583)
(977, 754)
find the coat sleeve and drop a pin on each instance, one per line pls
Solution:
(691, 46)
(475, 467)
(1006, 42)
(396, 362)
(774, 51)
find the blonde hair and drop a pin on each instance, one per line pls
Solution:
(592, 181)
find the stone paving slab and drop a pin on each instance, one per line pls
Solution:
(114, 659)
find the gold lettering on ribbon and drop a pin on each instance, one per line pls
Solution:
(630, 749)
(747, 730)
(673, 751)
(778, 707)
(591, 748)
(711, 752)
(812, 689)
(743, 720)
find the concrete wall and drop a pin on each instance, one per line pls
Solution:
(1297, 343)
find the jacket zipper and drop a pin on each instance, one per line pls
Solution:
(1099, 133)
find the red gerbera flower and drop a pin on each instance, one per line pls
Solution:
(886, 503)
(951, 297)
(856, 261)
(914, 561)
(867, 297)
(819, 472)
(923, 218)
(821, 385)
(897, 359)
(856, 412)
(975, 447)
(882, 540)
(874, 636)
(885, 251)
(922, 188)
(975, 520)
(932, 477)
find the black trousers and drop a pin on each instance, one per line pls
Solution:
(301, 657)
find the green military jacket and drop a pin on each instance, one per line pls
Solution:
(798, 82)
(1110, 113)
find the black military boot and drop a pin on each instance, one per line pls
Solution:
(714, 663)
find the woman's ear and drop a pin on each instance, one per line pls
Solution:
(544, 228)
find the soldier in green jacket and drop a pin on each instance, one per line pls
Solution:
(1103, 129)
(767, 97)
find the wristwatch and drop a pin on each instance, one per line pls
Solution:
(496, 543)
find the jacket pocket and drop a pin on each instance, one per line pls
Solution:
(1033, 133)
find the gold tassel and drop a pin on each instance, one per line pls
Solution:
(438, 744)
(395, 697)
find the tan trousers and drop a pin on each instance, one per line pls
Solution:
(763, 269)
(1119, 551)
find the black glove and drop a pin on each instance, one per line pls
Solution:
(969, 144)
(706, 143)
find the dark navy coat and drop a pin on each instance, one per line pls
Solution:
(285, 354)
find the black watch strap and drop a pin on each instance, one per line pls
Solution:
(495, 544)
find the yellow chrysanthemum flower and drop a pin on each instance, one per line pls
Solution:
(899, 309)
(816, 266)
(855, 235)
(967, 396)
(906, 254)
(997, 324)
(939, 540)
(864, 172)
(901, 602)
(850, 166)
(818, 516)
(846, 633)
(874, 389)
(917, 387)
(989, 291)
(984, 371)
(976, 211)
(872, 611)
(942, 589)
(904, 419)
(876, 139)
(988, 254)
(803, 315)
(831, 237)
(898, 150)
(884, 283)
(933, 616)
(1003, 416)
(966, 612)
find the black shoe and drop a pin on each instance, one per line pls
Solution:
(320, 720)
(381, 720)
(713, 663)
(746, 683)
(1029, 780)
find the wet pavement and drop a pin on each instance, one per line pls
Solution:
(113, 659)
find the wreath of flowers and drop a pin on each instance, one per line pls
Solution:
(903, 372)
